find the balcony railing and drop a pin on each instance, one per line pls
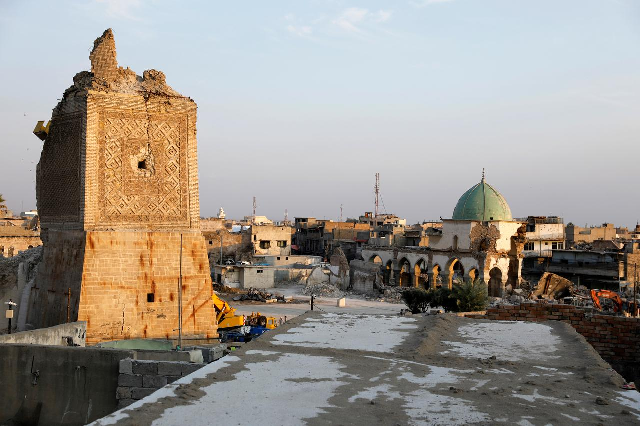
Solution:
(537, 253)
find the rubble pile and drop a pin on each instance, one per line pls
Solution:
(260, 296)
(323, 290)
(552, 287)
(392, 294)
(548, 289)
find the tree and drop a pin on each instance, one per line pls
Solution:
(3, 206)
(470, 295)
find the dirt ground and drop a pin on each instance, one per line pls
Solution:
(325, 368)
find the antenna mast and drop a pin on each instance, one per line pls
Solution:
(253, 216)
(340, 212)
(376, 189)
(286, 216)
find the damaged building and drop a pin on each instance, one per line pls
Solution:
(480, 241)
(117, 192)
(18, 234)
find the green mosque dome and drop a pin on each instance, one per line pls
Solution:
(482, 203)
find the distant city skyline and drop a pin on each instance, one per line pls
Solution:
(301, 103)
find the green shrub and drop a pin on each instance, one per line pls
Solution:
(416, 299)
(470, 296)
(443, 297)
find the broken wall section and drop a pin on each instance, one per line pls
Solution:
(366, 277)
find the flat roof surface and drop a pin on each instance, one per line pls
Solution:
(332, 368)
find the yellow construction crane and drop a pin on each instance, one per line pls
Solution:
(41, 131)
(225, 314)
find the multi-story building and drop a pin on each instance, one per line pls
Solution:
(544, 233)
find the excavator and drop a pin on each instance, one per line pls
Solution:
(227, 319)
(225, 314)
(606, 294)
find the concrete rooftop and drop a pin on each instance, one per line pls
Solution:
(327, 368)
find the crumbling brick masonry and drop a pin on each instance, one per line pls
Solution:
(117, 189)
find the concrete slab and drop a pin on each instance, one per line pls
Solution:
(326, 368)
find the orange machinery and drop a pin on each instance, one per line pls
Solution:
(607, 294)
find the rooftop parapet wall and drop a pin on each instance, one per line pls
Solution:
(616, 339)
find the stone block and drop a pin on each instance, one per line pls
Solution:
(145, 367)
(130, 380)
(155, 382)
(139, 393)
(190, 368)
(171, 379)
(123, 392)
(217, 352)
(168, 368)
(126, 366)
(196, 356)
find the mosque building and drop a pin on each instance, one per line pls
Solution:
(480, 241)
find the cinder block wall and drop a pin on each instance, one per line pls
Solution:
(139, 379)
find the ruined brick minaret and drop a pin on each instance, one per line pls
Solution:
(117, 189)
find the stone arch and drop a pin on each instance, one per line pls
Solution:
(495, 282)
(436, 276)
(30, 247)
(454, 270)
(375, 259)
(404, 278)
(419, 273)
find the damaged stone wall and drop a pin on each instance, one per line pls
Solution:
(366, 277)
(117, 188)
(235, 245)
(17, 275)
(14, 239)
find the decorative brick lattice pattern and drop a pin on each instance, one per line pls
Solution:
(118, 190)
(59, 194)
(128, 195)
(103, 57)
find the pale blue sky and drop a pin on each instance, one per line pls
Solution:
(302, 102)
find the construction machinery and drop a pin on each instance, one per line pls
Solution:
(225, 314)
(227, 319)
(256, 319)
(606, 294)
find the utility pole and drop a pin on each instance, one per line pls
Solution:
(340, 212)
(635, 291)
(9, 313)
(376, 189)
(253, 216)
(180, 300)
(220, 232)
